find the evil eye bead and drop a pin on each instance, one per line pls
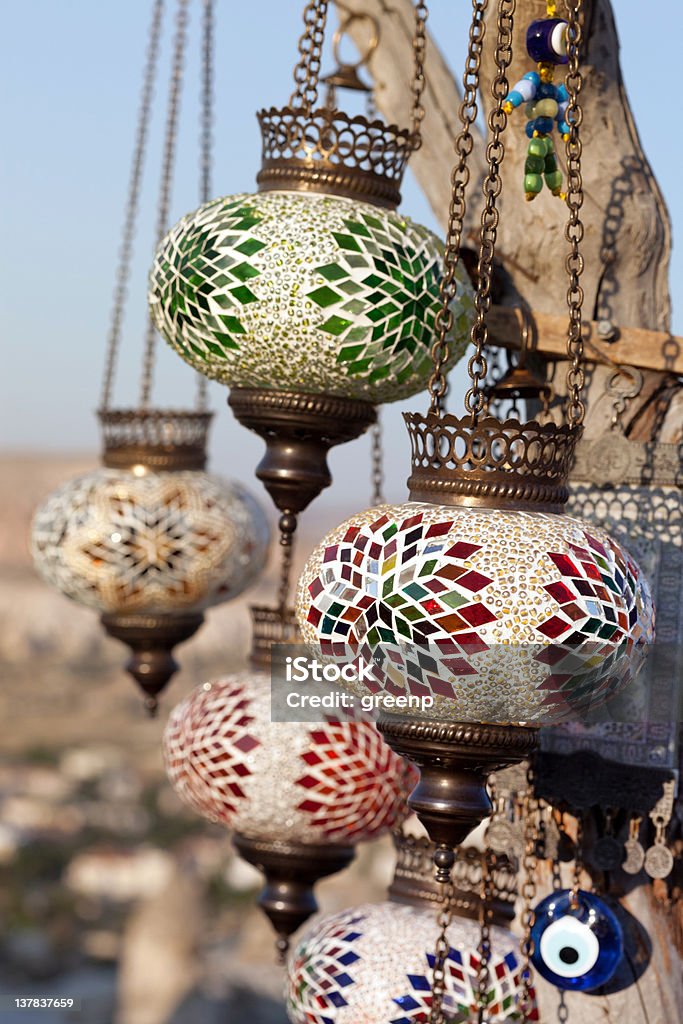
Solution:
(546, 41)
(576, 945)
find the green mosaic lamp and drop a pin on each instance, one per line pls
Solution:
(312, 299)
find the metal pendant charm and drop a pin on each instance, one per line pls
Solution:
(659, 861)
(635, 857)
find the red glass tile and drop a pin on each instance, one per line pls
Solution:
(316, 587)
(309, 805)
(474, 581)
(246, 743)
(596, 545)
(436, 586)
(375, 550)
(451, 572)
(560, 591)
(366, 601)
(442, 687)
(564, 564)
(461, 549)
(379, 523)
(592, 571)
(331, 553)
(460, 667)
(573, 612)
(477, 615)
(408, 523)
(431, 606)
(351, 534)
(438, 529)
(311, 757)
(554, 627)
(314, 616)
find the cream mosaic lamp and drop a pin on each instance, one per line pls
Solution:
(480, 593)
(375, 962)
(313, 299)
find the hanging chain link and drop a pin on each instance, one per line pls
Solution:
(377, 464)
(475, 399)
(436, 1014)
(578, 859)
(488, 864)
(530, 809)
(574, 229)
(460, 177)
(132, 202)
(307, 71)
(166, 182)
(206, 142)
(418, 84)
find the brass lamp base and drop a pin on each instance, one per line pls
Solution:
(151, 639)
(299, 429)
(291, 871)
(455, 760)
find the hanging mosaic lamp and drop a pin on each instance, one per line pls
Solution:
(313, 299)
(375, 963)
(337, 784)
(151, 540)
(479, 593)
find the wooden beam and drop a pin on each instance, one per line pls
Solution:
(633, 346)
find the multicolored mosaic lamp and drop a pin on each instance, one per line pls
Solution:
(151, 540)
(480, 593)
(375, 963)
(312, 299)
(298, 796)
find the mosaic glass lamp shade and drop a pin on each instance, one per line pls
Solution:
(132, 540)
(502, 616)
(309, 292)
(286, 782)
(374, 964)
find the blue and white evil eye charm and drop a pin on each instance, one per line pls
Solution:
(578, 941)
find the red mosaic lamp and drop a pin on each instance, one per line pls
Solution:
(298, 796)
(479, 593)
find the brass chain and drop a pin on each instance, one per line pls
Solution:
(418, 84)
(475, 399)
(436, 1014)
(574, 229)
(488, 864)
(132, 203)
(307, 71)
(168, 160)
(578, 864)
(460, 176)
(377, 464)
(206, 141)
(530, 809)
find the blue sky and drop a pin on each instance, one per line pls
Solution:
(72, 71)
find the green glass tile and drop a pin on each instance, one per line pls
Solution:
(388, 585)
(336, 325)
(379, 373)
(357, 334)
(247, 222)
(389, 531)
(372, 280)
(348, 354)
(355, 306)
(244, 295)
(354, 260)
(454, 600)
(386, 635)
(250, 246)
(224, 300)
(394, 601)
(244, 271)
(360, 367)
(346, 241)
(350, 287)
(413, 614)
(357, 229)
(332, 272)
(227, 341)
(373, 636)
(415, 590)
(324, 296)
(404, 629)
(403, 375)
(233, 324)
(372, 222)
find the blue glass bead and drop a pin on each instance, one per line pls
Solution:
(542, 125)
(541, 41)
(547, 91)
(578, 947)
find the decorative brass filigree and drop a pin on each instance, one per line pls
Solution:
(158, 439)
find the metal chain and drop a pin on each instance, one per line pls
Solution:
(132, 202)
(436, 1014)
(166, 182)
(578, 859)
(418, 84)
(475, 398)
(562, 1008)
(530, 808)
(307, 71)
(574, 229)
(460, 177)
(206, 142)
(377, 464)
(488, 863)
(287, 526)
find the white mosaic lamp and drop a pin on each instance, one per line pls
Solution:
(374, 963)
(150, 540)
(337, 783)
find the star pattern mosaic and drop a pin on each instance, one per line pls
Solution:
(160, 542)
(500, 616)
(375, 964)
(314, 292)
(336, 782)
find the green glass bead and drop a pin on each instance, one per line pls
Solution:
(534, 165)
(533, 183)
(553, 180)
(550, 164)
(538, 147)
